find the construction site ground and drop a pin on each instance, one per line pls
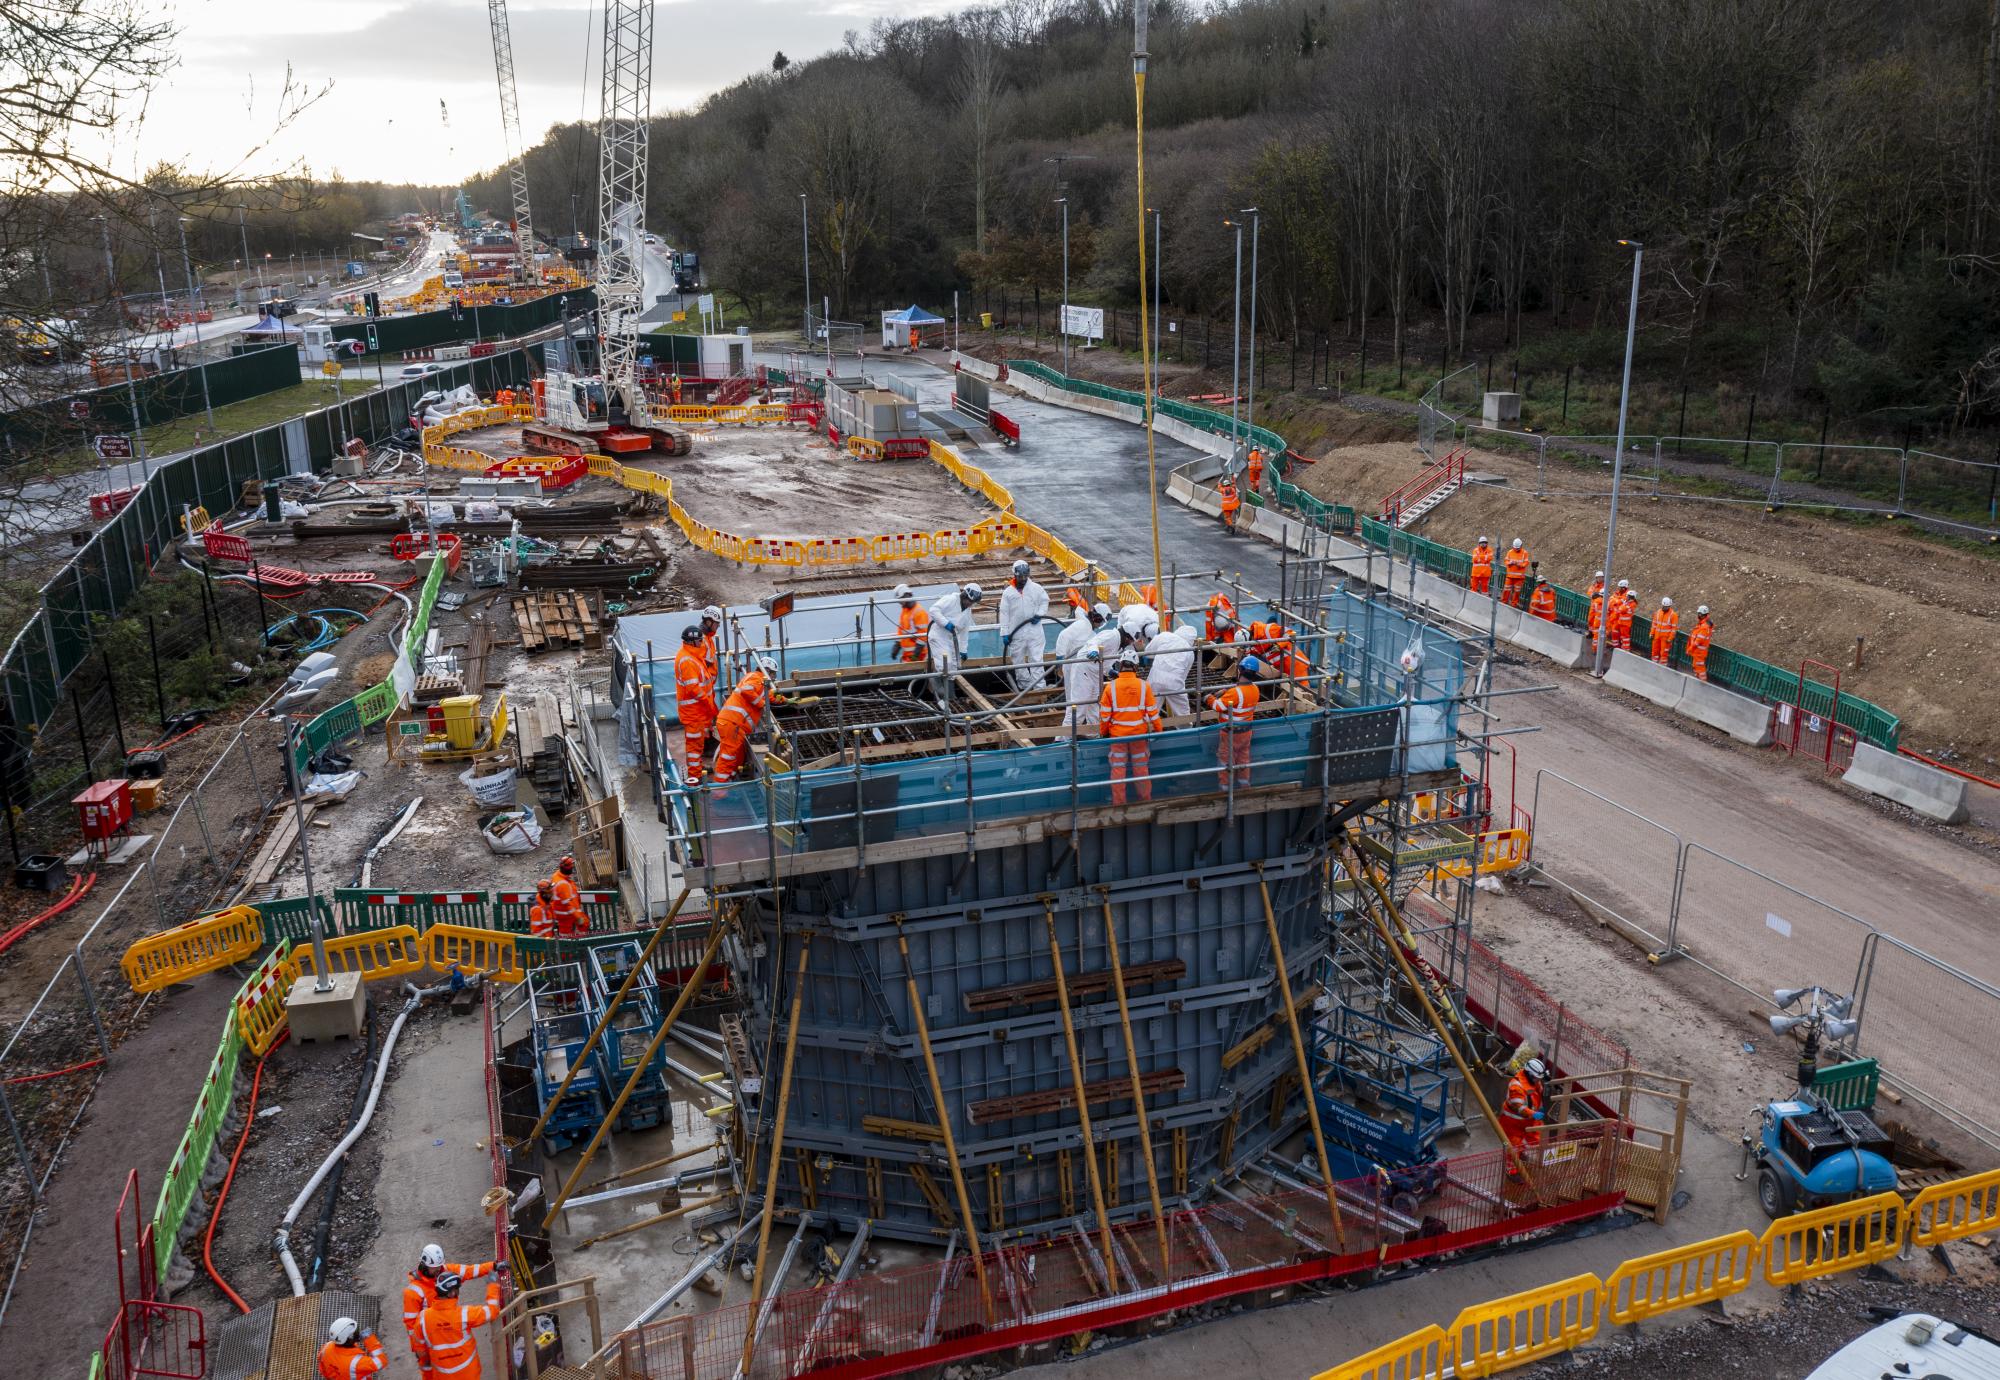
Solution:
(1084, 477)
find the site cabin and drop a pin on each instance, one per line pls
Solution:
(910, 328)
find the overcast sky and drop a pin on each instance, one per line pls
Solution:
(389, 63)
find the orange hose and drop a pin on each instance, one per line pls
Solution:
(79, 887)
(222, 1196)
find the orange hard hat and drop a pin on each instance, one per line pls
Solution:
(568, 864)
(544, 889)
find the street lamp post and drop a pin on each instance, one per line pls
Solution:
(187, 266)
(1063, 202)
(131, 388)
(1236, 348)
(1618, 463)
(1250, 406)
(806, 257)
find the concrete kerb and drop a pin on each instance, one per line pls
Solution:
(1742, 718)
(1566, 647)
(1647, 679)
(1931, 793)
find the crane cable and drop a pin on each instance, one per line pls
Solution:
(1146, 361)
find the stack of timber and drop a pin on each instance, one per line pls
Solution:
(538, 729)
(558, 618)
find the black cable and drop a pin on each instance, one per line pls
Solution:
(331, 1189)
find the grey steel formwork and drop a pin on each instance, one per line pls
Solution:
(1186, 893)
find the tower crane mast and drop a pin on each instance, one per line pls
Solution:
(510, 124)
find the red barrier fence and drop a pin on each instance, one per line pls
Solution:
(410, 545)
(927, 1315)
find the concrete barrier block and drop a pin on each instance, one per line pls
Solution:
(1440, 596)
(1931, 793)
(1480, 613)
(1566, 647)
(1742, 718)
(1647, 679)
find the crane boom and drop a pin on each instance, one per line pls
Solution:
(510, 125)
(621, 189)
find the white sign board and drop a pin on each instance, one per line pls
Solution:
(706, 304)
(1087, 322)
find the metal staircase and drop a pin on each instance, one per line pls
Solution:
(1402, 508)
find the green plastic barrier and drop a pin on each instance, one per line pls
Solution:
(1851, 1086)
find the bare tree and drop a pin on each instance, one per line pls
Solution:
(977, 85)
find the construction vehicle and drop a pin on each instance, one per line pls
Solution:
(1809, 1152)
(610, 412)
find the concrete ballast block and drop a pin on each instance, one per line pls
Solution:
(1931, 793)
(336, 1014)
(1566, 647)
(1647, 679)
(1742, 718)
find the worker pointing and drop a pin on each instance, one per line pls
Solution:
(349, 1353)
(694, 696)
(951, 628)
(1699, 637)
(1482, 566)
(1023, 606)
(1517, 573)
(913, 626)
(740, 717)
(448, 1328)
(1665, 624)
(1128, 712)
(420, 1291)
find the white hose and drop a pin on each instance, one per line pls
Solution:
(283, 1240)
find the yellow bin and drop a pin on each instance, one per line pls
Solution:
(986, 320)
(461, 720)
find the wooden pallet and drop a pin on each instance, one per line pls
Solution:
(558, 618)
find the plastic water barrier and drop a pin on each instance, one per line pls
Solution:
(185, 951)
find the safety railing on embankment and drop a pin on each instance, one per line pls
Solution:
(376, 703)
(1535, 1324)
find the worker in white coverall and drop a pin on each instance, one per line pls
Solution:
(951, 628)
(1080, 650)
(1023, 606)
(1172, 656)
(1138, 622)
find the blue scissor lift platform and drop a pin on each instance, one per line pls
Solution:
(632, 1030)
(1382, 1091)
(561, 1014)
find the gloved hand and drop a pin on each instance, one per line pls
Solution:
(1538, 1116)
(951, 627)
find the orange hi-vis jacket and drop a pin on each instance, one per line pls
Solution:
(694, 686)
(448, 1331)
(1542, 603)
(420, 1290)
(747, 702)
(1667, 622)
(1127, 707)
(1517, 564)
(1699, 638)
(913, 626)
(1218, 607)
(541, 920)
(356, 1360)
(1237, 704)
(1482, 560)
(568, 905)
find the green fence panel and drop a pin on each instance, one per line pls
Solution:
(376, 703)
(289, 918)
(1851, 1086)
(510, 910)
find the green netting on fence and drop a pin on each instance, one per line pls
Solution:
(377, 702)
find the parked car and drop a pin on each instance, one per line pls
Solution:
(419, 371)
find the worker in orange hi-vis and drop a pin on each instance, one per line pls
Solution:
(1234, 709)
(740, 717)
(1596, 620)
(1482, 566)
(1596, 586)
(1253, 470)
(567, 899)
(1231, 501)
(349, 1353)
(1699, 638)
(1521, 1112)
(913, 627)
(542, 914)
(1665, 624)
(450, 1329)
(1127, 712)
(1624, 604)
(1541, 603)
(694, 695)
(1517, 573)
(677, 390)
(420, 1290)
(1220, 624)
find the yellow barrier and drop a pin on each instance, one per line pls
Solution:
(196, 521)
(1424, 1355)
(1829, 1240)
(864, 448)
(1680, 1278)
(263, 1012)
(473, 950)
(186, 951)
(1946, 1212)
(1491, 1337)
(1501, 850)
(388, 953)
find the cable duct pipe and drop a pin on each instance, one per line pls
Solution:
(282, 1242)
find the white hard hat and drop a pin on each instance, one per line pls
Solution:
(343, 1330)
(1624, 584)
(767, 666)
(1020, 567)
(1101, 609)
(712, 611)
(1598, 576)
(1485, 541)
(1535, 1069)
(433, 1257)
(972, 594)
(905, 592)
(1128, 657)
(1517, 543)
(1701, 609)
(1665, 602)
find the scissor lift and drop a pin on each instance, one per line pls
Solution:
(561, 1012)
(631, 1033)
(1382, 1090)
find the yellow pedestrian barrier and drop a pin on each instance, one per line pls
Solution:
(473, 950)
(388, 953)
(864, 448)
(1963, 1207)
(1423, 1355)
(1681, 1277)
(186, 951)
(262, 1013)
(1493, 1337)
(1829, 1240)
(196, 521)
